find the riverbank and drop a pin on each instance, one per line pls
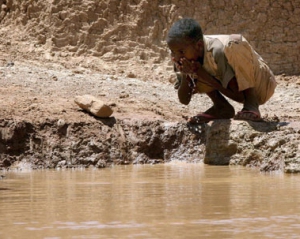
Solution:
(42, 126)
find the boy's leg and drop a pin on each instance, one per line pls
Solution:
(221, 109)
(255, 79)
(232, 91)
(248, 97)
(250, 109)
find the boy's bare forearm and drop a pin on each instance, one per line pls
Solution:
(184, 92)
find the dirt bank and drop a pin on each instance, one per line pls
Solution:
(52, 52)
(42, 127)
(126, 33)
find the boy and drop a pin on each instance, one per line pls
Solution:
(219, 65)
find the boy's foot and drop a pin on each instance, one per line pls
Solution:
(201, 118)
(248, 115)
(213, 113)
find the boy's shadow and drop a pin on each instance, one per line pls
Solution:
(220, 145)
(266, 126)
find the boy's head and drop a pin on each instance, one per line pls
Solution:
(185, 40)
(186, 29)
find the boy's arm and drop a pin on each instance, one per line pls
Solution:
(185, 91)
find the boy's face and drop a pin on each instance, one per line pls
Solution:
(186, 49)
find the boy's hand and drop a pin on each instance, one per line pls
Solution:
(188, 67)
(194, 67)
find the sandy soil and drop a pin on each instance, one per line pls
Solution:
(37, 90)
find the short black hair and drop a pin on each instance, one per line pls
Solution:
(185, 29)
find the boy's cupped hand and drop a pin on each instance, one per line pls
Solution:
(188, 66)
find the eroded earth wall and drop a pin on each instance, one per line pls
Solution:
(134, 30)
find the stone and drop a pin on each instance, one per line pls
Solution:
(94, 105)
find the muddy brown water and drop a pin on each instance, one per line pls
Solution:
(174, 200)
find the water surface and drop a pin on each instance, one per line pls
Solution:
(175, 200)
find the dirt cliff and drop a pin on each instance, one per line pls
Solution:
(52, 51)
(125, 33)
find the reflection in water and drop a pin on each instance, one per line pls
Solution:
(175, 200)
